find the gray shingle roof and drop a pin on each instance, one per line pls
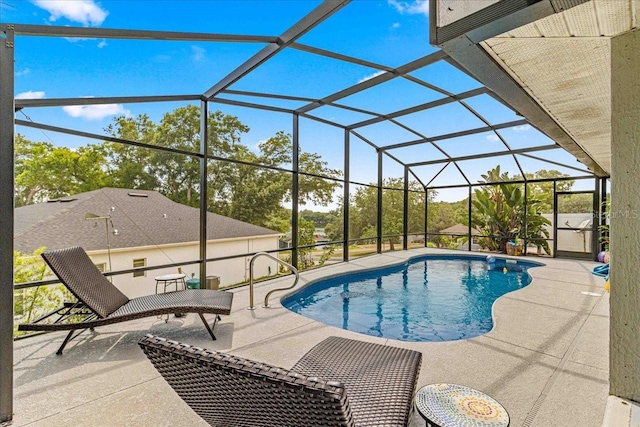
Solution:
(461, 229)
(148, 219)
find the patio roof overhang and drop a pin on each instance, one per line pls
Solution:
(548, 59)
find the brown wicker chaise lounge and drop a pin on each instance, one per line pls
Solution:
(101, 303)
(339, 382)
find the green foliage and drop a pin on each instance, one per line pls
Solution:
(279, 220)
(326, 254)
(499, 214)
(320, 219)
(44, 171)
(444, 215)
(392, 211)
(363, 216)
(306, 231)
(236, 189)
(416, 213)
(363, 212)
(575, 203)
(448, 242)
(31, 303)
(543, 191)
(306, 255)
(28, 267)
(334, 227)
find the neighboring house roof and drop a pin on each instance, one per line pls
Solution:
(142, 218)
(460, 229)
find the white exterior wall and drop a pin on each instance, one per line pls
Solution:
(237, 270)
(567, 239)
(230, 271)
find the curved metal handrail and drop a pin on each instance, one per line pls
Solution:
(266, 297)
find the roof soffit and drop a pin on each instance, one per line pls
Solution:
(561, 63)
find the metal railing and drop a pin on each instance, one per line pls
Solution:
(266, 297)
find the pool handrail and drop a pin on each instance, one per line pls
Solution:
(266, 297)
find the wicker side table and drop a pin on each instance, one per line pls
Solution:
(451, 405)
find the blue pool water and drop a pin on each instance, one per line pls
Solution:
(429, 298)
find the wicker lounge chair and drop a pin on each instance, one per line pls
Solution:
(339, 382)
(101, 303)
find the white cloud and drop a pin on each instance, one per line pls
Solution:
(395, 25)
(411, 7)
(198, 53)
(102, 43)
(38, 94)
(370, 76)
(95, 112)
(76, 39)
(87, 12)
(493, 138)
(23, 72)
(522, 128)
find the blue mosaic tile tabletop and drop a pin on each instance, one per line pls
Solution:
(451, 405)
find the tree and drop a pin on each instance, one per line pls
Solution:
(334, 226)
(500, 211)
(252, 193)
(320, 219)
(174, 175)
(128, 165)
(575, 203)
(44, 171)
(393, 209)
(238, 188)
(305, 237)
(444, 215)
(363, 216)
(543, 190)
(34, 302)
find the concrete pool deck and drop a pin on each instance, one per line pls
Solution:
(546, 360)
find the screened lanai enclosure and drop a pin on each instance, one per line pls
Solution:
(392, 159)
(338, 157)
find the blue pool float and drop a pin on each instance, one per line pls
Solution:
(601, 270)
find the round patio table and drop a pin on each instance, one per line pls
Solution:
(451, 405)
(167, 280)
(170, 279)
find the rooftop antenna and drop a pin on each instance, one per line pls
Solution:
(107, 221)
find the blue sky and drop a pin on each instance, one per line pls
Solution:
(387, 32)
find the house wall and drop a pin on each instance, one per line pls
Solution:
(450, 11)
(230, 271)
(624, 336)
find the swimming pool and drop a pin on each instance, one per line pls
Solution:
(428, 298)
